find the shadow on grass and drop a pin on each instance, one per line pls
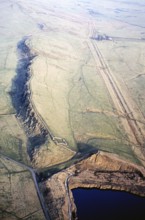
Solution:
(84, 151)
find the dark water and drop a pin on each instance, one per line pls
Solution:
(93, 204)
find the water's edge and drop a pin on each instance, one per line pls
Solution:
(107, 204)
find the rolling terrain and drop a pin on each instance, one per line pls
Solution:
(72, 85)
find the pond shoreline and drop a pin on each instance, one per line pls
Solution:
(91, 204)
(101, 171)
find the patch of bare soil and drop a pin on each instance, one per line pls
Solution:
(102, 171)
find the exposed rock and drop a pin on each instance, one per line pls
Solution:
(21, 97)
(102, 171)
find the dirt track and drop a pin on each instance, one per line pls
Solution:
(40, 197)
(122, 103)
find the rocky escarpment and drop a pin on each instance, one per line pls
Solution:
(102, 171)
(21, 98)
(106, 171)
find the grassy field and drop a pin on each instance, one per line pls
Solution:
(86, 83)
(126, 62)
(17, 193)
(67, 89)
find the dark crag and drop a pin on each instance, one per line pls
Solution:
(21, 98)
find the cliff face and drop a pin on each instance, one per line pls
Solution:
(108, 172)
(21, 98)
(102, 171)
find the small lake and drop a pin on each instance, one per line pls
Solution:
(93, 204)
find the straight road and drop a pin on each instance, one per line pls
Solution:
(133, 128)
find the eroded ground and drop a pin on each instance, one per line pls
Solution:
(72, 79)
(102, 171)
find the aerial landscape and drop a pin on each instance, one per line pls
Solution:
(72, 108)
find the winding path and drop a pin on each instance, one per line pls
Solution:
(68, 195)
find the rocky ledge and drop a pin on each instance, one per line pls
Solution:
(102, 171)
(26, 112)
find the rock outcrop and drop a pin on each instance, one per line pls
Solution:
(102, 171)
(21, 97)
